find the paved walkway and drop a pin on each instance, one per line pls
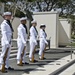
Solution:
(51, 67)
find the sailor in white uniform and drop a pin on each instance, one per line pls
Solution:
(21, 41)
(43, 41)
(33, 40)
(6, 31)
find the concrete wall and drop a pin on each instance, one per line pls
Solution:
(1, 19)
(15, 24)
(64, 32)
(50, 19)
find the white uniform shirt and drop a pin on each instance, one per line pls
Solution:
(33, 34)
(22, 36)
(43, 36)
(6, 33)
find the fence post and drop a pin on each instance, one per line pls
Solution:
(49, 42)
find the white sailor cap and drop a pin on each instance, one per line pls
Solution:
(42, 25)
(34, 21)
(6, 13)
(23, 18)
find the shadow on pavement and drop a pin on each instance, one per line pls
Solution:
(27, 71)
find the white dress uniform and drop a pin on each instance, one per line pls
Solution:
(33, 40)
(21, 42)
(5, 41)
(43, 41)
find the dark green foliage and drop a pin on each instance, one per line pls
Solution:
(19, 14)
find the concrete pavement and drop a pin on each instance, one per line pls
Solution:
(52, 63)
(54, 68)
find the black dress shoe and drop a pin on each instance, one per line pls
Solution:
(25, 63)
(44, 58)
(35, 61)
(6, 68)
(9, 68)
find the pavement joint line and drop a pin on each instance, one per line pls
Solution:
(53, 69)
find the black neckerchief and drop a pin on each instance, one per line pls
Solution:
(25, 28)
(8, 22)
(36, 29)
(45, 33)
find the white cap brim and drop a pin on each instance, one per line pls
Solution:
(23, 18)
(34, 21)
(42, 25)
(6, 13)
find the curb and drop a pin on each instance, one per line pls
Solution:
(58, 71)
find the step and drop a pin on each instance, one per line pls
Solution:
(13, 51)
(69, 71)
(12, 48)
(13, 55)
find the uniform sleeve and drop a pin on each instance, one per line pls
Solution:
(22, 35)
(42, 35)
(4, 33)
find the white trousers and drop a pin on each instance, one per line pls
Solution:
(20, 50)
(4, 48)
(42, 47)
(32, 47)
